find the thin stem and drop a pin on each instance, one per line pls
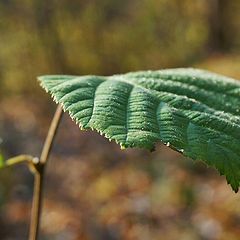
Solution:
(18, 159)
(39, 168)
(37, 203)
(51, 134)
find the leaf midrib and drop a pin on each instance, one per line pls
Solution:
(120, 78)
(156, 94)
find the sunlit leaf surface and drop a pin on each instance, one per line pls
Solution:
(192, 111)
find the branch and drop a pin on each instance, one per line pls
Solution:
(19, 159)
(39, 167)
(51, 134)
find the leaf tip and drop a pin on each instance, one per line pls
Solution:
(235, 188)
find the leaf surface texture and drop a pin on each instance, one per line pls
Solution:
(193, 111)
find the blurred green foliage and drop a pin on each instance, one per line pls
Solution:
(92, 37)
(1, 160)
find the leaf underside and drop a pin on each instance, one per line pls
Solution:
(193, 111)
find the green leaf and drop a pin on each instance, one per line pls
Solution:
(192, 111)
(2, 162)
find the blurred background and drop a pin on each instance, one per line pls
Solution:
(93, 190)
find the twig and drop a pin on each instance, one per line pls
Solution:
(18, 159)
(51, 134)
(39, 167)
